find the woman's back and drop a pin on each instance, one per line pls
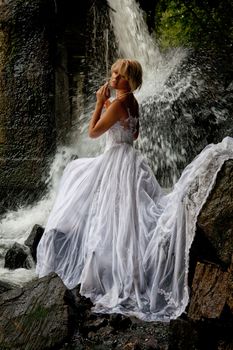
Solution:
(126, 129)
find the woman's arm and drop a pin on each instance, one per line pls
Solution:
(107, 103)
(97, 125)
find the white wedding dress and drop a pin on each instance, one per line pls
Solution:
(113, 230)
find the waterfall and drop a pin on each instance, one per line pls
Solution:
(132, 35)
(134, 41)
(15, 226)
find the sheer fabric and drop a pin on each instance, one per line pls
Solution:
(113, 230)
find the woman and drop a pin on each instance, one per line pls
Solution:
(112, 230)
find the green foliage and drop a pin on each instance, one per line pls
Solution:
(196, 23)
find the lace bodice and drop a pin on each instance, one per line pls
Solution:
(120, 134)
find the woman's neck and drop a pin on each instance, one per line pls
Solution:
(122, 93)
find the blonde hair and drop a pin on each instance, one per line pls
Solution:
(131, 69)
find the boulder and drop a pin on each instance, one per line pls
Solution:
(211, 267)
(183, 335)
(216, 217)
(230, 287)
(18, 256)
(33, 239)
(115, 331)
(5, 286)
(209, 292)
(45, 315)
(210, 310)
(37, 316)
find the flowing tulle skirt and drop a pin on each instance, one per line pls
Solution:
(113, 231)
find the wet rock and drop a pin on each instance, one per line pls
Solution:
(216, 217)
(103, 331)
(5, 286)
(37, 316)
(205, 334)
(152, 344)
(211, 266)
(118, 321)
(209, 292)
(18, 256)
(33, 239)
(230, 287)
(45, 315)
(96, 324)
(222, 345)
(135, 345)
(27, 90)
(136, 335)
(183, 335)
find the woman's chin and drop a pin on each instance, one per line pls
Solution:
(113, 85)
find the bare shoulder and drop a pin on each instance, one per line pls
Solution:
(118, 107)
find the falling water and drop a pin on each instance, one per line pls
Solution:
(134, 41)
(15, 226)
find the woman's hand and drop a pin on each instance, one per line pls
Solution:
(107, 104)
(103, 94)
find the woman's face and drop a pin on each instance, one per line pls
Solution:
(118, 80)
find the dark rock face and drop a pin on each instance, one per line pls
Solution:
(5, 286)
(149, 7)
(43, 49)
(45, 315)
(209, 292)
(211, 302)
(183, 335)
(35, 317)
(216, 218)
(18, 256)
(230, 287)
(27, 88)
(33, 239)
(211, 275)
(97, 331)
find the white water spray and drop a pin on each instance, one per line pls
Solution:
(16, 225)
(135, 42)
